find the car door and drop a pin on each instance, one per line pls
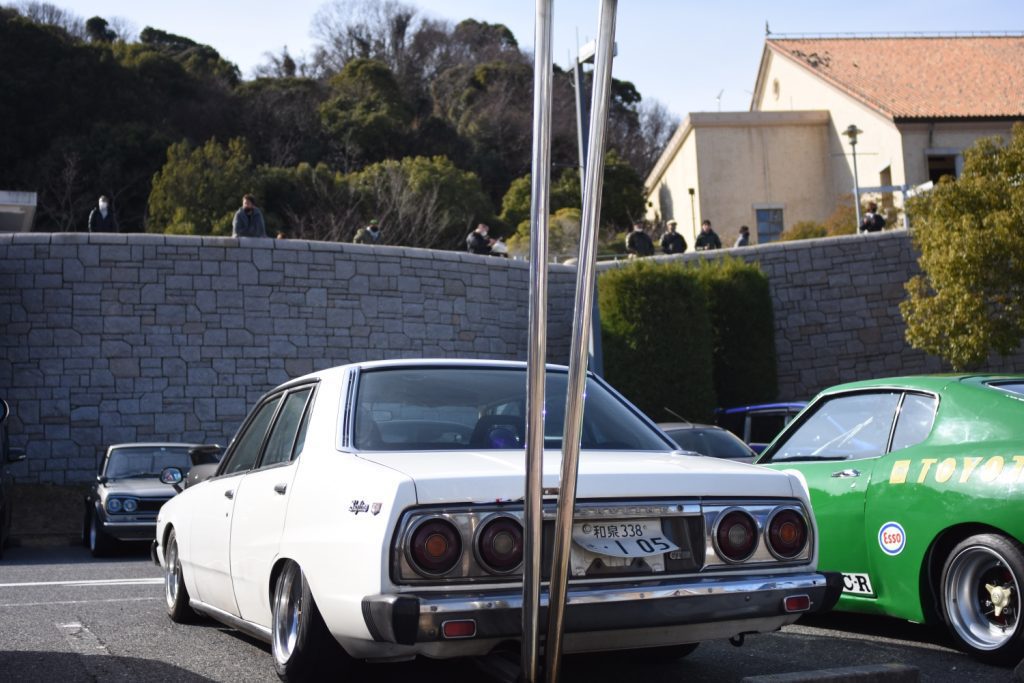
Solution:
(261, 502)
(836, 447)
(209, 547)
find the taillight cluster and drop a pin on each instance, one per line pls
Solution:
(736, 534)
(435, 545)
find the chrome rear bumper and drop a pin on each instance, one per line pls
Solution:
(410, 618)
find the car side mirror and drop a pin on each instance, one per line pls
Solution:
(172, 476)
(16, 454)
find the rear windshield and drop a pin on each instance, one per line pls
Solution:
(484, 408)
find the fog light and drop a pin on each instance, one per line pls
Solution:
(796, 603)
(460, 628)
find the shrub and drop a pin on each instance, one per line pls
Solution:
(804, 230)
(656, 337)
(743, 329)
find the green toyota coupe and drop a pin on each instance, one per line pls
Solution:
(917, 484)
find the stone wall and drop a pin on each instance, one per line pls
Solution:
(116, 338)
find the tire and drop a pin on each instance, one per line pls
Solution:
(3, 533)
(303, 648)
(100, 544)
(176, 598)
(983, 575)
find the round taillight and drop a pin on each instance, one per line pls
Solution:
(499, 545)
(736, 536)
(787, 534)
(435, 547)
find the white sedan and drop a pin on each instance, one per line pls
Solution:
(374, 511)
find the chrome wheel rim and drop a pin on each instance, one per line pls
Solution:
(287, 614)
(172, 570)
(982, 597)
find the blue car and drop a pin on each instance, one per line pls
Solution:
(758, 424)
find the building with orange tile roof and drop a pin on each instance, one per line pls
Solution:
(917, 101)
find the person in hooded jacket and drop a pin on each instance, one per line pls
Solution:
(101, 218)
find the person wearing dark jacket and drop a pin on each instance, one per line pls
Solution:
(638, 242)
(872, 220)
(248, 220)
(101, 219)
(672, 242)
(707, 239)
(479, 241)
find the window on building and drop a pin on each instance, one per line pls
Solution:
(940, 165)
(769, 224)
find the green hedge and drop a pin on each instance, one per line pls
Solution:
(656, 339)
(743, 327)
(688, 338)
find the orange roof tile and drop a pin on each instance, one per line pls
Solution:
(920, 77)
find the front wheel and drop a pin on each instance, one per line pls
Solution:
(100, 543)
(981, 601)
(176, 596)
(302, 646)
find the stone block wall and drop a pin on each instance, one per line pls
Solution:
(119, 338)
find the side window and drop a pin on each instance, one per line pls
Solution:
(282, 436)
(247, 446)
(847, 427)
(765, 426)
(915, 420)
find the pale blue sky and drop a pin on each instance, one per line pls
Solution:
(680, 52)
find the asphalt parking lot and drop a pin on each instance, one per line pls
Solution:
(67, 617)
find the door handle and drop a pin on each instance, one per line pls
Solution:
(229, 494)
(845, 474)
(281, 488)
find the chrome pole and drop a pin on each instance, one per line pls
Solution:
(537, 350)
(580, 335)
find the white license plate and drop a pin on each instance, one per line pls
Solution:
(628, 538)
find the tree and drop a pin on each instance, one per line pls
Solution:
(198, 190)
(422, 202)
(99, 30)
(969, 298)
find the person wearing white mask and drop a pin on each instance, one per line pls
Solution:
(101, 219)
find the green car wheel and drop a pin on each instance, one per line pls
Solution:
(981, 599)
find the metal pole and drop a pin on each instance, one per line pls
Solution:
(581, 331)
(856, 184)
(537, 351)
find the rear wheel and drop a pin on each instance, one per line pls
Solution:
(981, 601)
(175, 593)
(303, 648)
(100, 544)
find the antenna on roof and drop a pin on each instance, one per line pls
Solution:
(767, 31)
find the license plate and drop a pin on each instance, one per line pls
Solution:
(633, 538)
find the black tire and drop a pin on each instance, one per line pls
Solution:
(3, 533)
(303, 648)
(980, 597)
(100, 544)
(176, 598)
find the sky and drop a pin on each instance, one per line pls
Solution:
(690, 55)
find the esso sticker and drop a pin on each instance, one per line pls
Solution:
(892, 538)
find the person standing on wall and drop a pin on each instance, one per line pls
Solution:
(248, 220)
(479, 241)
(638, 242)
(672, 242)
(369, 234)
(101, 218)
(708, 238)
(744, 237)
(872, 220)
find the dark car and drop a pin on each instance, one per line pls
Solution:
(123, 503)
(708, 440)
(7, 456)
(758, 424)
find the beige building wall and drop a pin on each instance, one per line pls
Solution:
(739, 162)
(921, 140)
(786, 85)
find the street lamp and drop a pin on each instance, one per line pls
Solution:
(693, 213)
(852, 132)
